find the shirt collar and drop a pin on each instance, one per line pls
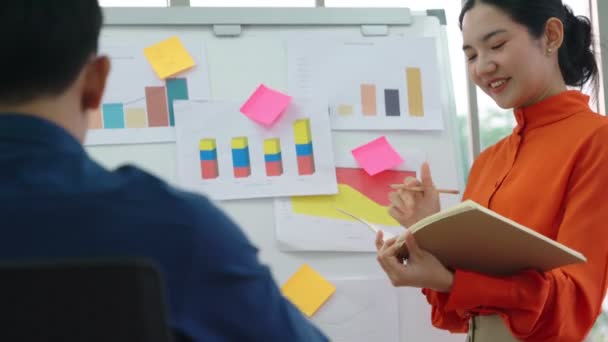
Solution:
(550, 110)
(31, 129)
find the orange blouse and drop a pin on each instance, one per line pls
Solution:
(550, 174)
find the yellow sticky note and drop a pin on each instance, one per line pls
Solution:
(307, 290)
(169, 57)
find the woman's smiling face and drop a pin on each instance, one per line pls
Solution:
(505, 60)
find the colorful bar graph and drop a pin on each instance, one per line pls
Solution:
(113, 115)
(135, 118)
(414, 91)
(304, 150)
(177, 89)
(391, 102)
(368, 99)
(96, 119)
(156, 106)
(345, 110)
(208, 156)
(158, 112)
(272, 157)
(240, 157)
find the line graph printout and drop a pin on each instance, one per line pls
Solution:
(372, 83)
(311, 223)
(137, 106)
(225, 155)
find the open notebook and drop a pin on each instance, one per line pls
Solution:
(471, 237)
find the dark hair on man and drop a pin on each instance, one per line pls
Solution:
(576, 57)
(45, 44)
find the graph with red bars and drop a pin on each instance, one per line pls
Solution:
(273, 159)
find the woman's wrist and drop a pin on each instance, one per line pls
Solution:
(445, 282)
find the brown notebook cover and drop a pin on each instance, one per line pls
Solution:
(471, 237)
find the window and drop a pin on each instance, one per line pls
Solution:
(134, 3)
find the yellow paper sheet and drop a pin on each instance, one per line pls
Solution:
(308, 290)
(169, 57)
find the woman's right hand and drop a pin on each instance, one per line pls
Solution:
(408, 206)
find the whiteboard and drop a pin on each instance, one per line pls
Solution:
(240, 57)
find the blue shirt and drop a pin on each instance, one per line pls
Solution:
(56, 202)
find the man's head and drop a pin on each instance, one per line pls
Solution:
(49, 57)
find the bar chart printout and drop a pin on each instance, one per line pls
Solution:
(137, 106)
(304, 150)
(272, 157)
(240, 157)
(208, 155)
(242, 160)
(371, 84)
(158, 111)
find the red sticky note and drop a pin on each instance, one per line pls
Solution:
(377, 156)
(265, 105)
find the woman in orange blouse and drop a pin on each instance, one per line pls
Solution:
(550, 174)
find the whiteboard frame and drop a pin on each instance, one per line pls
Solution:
(244, 212)
(138, 16)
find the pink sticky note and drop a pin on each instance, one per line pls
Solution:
(377, 156)
(265, 105)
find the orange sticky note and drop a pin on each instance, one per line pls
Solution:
(308, 290)
(169, 57)
(377, 156)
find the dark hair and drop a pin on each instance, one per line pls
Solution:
(45, 45)
(576, 57)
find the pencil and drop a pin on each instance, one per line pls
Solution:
(417, 188)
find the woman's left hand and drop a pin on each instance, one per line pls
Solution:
(421, 268)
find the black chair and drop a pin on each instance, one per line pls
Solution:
(82, 300)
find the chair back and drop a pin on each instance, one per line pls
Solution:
(82, 300)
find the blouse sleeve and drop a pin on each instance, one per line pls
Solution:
(566, 301)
